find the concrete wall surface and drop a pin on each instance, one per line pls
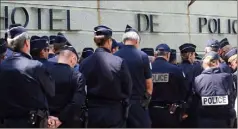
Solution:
(176, 23)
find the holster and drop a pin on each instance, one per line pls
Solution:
(39, 118)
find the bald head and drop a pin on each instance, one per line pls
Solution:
(67, 57)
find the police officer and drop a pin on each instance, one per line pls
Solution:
(87, 51)
(224, 47)
(51, 46)
(231, 58)
(169, 91)
(69, 89)
(59, 42)
(24, 85)
(3, 49)
(108, 83)
(39, 49)
(187, 51)
(150, 52)
(173, 57)
(213, 45)
(215, 91)
(115, 46)
(139, 66)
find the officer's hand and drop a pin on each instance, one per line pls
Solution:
(53, 122)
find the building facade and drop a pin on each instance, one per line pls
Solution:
(170, 22)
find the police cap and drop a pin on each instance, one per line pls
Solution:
(3, 46)
(102, 30)
(230, 53)
(15, 31)
(129, 29)
(60, 38)
(163, 47)
(224, 42)
(148, 51)
(211, 56)
(52, 39)
(213, 43)
(70, 48)
(87, 52)
(46, 38)
(34, 37)
(187, 47)
(39, 44)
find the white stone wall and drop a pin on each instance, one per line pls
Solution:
(172, 18)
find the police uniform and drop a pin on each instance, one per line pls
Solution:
(216, 103)
(24, 86)
(88, 51)
(108, 86)
(38, 45)
(69, 94)
(190, 72)
(139, 67)
(168, 92)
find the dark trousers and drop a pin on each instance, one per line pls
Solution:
(106, 116)
(138, 117)
(215, 123)
(161, 118)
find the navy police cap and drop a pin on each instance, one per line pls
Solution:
(46, 38)
(211, 56)
(129, 29)
(39, 44)
(230, 53)
(70, 48)
(52, 39)
(148, 51)
(114, 43)
(34, 37)
(15, 31)
(213, 43)
(187, 47)
(103, 30)
(60, 39)
(87, 52)
(3, 46)
(163, 47)
(224, 42)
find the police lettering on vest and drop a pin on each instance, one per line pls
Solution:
(160, 77)
(215, 100)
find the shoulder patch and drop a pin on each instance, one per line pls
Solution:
(160, 77)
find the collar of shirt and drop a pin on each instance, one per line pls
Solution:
(102, 49)
(22, 54)
(161, 58)
(186, 61)
(211, 70)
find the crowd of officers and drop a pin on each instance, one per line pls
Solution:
(44, 83)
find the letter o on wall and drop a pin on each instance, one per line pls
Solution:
(214, 23)
(25, 12)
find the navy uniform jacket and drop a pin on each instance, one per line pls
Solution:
(189, 72)
(139, 67)
(214, 85)
(51, 55)
(224, 67)
(168, 81)
(24, 86)
(53, 59)
(107, 76)
(69, 92)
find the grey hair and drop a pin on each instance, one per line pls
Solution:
(131, 36)
(162, 53)
(17, 43)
